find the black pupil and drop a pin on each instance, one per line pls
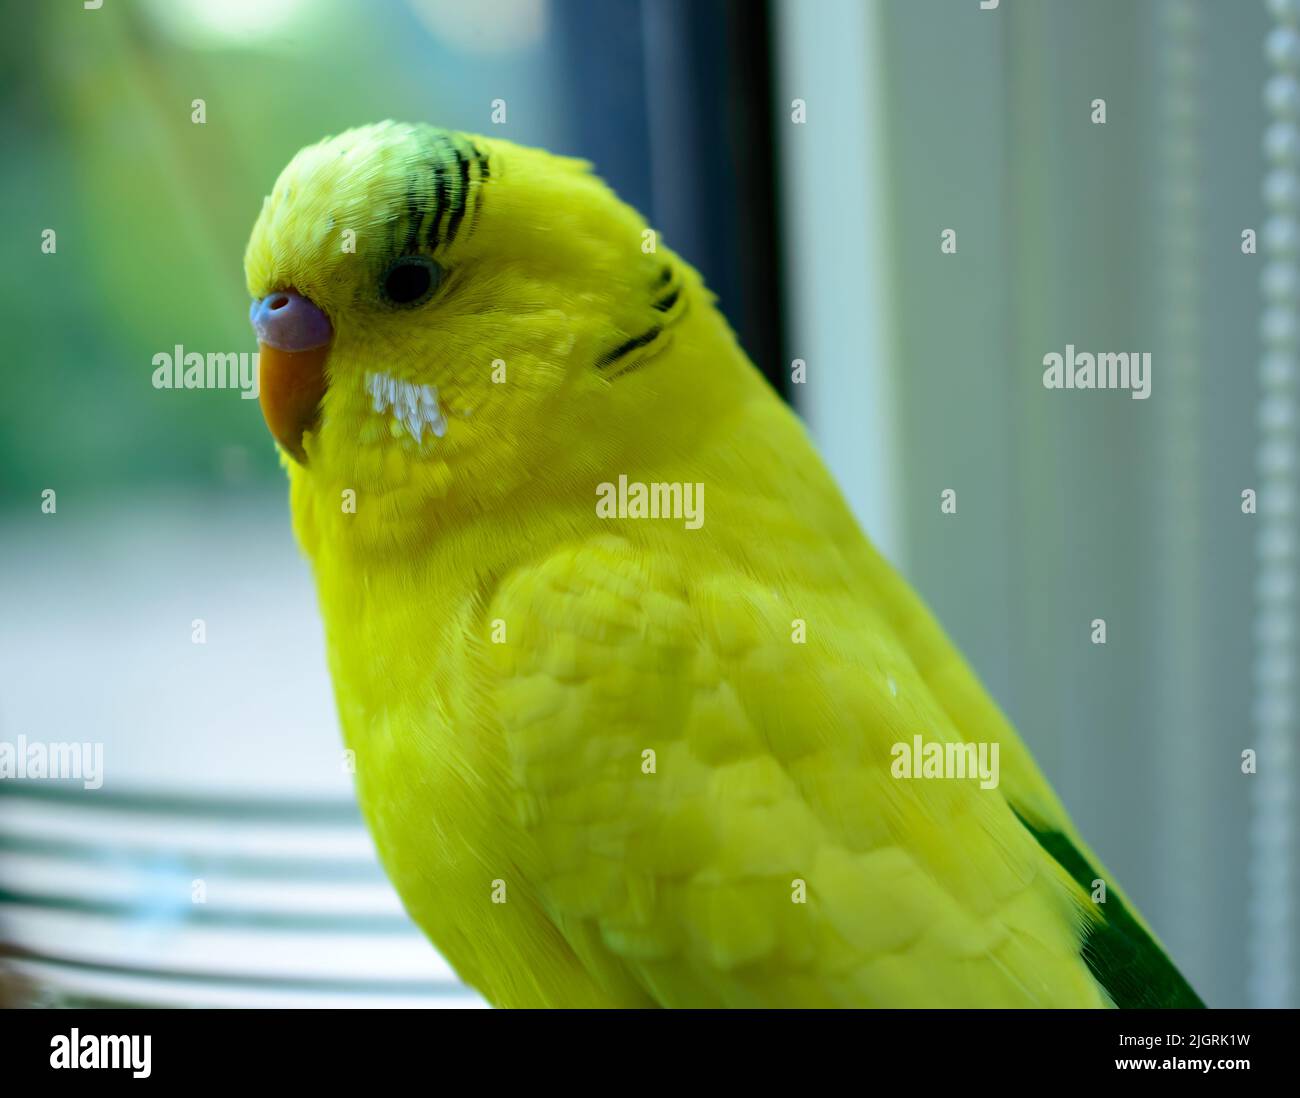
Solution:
(407, 282)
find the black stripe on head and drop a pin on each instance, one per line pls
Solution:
(462, 198)
(481, 158)
(441, 196)
(668, 302)
(484, 174)
(414, 215)
(631, 345)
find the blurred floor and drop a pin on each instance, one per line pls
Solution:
(223, 862)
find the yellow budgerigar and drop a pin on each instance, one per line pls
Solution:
(640, 717)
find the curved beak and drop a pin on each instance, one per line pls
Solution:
(293, 337)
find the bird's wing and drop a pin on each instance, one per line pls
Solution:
(713, 808)
(1121, 951)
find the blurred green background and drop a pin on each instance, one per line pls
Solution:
(152, 211)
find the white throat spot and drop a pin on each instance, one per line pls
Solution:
(415, 407)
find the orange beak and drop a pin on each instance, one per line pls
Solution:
(294, 338)
(291, 388)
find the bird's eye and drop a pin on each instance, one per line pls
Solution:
(411, 281)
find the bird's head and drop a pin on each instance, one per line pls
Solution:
(437, 312)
